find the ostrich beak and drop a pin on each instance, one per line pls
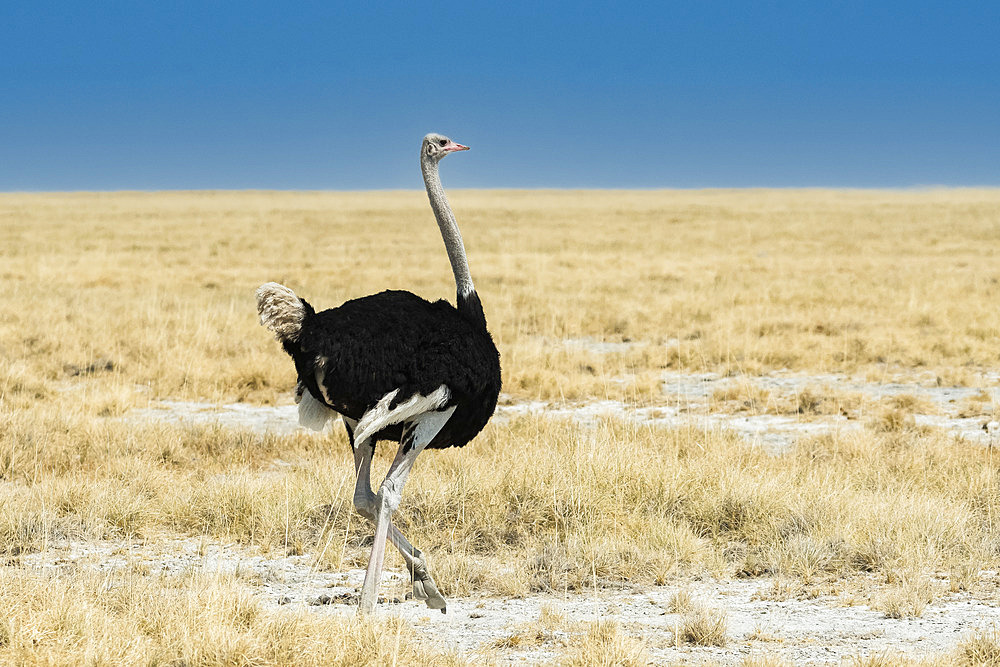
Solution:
(453, 147)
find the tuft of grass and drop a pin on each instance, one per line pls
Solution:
(980, 649)
(702, 625)
(681, 602)
(810, 401)
(760, 634)
(912, 404)
(908, 598)
(746, 395)
(604, 643)
(764, 661)
(893, 420)
(781, 589)
(885, 660)
(550, 627)
(963, 577)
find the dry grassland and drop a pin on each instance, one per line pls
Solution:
(110, 300)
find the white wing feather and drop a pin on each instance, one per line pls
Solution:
(381, 416)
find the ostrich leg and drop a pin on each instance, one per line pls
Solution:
(424, 587)
(417, 435)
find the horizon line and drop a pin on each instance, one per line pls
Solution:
(846, 188)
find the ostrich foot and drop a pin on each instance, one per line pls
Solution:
(425, 589)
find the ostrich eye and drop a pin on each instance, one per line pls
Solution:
(443, 142)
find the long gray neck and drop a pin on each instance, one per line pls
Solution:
(449, 227)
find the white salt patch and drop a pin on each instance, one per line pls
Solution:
(279, 420)
(687, 405)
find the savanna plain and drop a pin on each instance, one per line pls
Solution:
(738, 427)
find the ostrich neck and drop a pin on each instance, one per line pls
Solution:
(449, 230)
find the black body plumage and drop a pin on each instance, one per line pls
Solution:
(350, 357)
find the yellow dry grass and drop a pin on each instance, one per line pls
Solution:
(161, 285)
(724, 280)
(123, 619)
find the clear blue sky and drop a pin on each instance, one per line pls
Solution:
(330, 95)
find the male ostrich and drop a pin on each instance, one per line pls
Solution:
(395, 367)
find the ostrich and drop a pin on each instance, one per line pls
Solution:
(396, 367)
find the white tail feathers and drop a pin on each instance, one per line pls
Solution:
(313, 414)
(280, 311)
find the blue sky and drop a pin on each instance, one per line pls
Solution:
(327, 95)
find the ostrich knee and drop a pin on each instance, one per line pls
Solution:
(364, 504)
(389, 496)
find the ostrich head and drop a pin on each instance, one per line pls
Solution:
(436, 146)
